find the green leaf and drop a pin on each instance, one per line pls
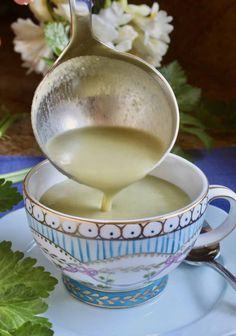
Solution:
(30, 329)
(200, 133)
(188, 98)
(180, 152)
(17, 176)
(48, 61)
(4, 333)
(56, 35)
(7, 121)
(15, 269)
(107, 3)
(218, 115)
(22, 289)
(174, 74)
(9, 196)
(188, 119)
(18, 305)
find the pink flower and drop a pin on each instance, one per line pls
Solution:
(22, 2)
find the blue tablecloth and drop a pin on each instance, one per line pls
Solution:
(219, 165)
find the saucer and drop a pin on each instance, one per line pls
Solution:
(197, 301)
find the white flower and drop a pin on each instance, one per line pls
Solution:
(140, 29)
(110, 27)
(115, 15)
(143, 10)
(154, 28)
(103, 30)
(151, 51)
(63, 10)
(125, 38)
(40, 10)
(30, 43)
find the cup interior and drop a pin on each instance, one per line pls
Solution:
(173, 169)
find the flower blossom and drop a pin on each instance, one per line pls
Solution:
(139, 29)
(110, 26)
(153, 28)
(22, 2)
(30, 43)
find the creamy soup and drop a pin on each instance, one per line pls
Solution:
(105, 158)
(148, 197)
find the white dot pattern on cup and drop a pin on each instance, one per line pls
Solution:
(70, 227)
(52, 220)
(196, 212)
(152, 229)
(171, 224)
(109, 231)
(28, 205)
(131, 231)
(204, 205)
(117, 230)
(38, 213)
(185, 219)
(89, 230)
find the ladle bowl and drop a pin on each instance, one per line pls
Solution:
(92, 84)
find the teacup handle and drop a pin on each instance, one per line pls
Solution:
(217, 234)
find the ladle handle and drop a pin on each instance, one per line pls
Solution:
(81, 12)
(229, 224)
(81, 7)
(231, 279)
(81, 39)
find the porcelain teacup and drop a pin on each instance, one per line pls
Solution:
(120, 264)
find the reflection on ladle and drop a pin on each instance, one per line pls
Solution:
(93, 85)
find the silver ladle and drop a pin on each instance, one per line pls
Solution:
(210, 256)
(92, 84)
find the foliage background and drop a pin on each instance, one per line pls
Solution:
(203, 42)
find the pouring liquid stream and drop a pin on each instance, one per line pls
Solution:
(107, 158)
